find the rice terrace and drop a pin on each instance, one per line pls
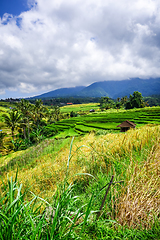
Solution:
(67, 172)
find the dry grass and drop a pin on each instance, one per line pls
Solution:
(139, 202)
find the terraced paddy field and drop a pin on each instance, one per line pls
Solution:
(109, 120)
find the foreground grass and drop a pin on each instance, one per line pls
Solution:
(61, 218)
(131, 210)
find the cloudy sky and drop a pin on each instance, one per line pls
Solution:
(50, 44)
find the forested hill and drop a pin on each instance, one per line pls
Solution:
(112, 89)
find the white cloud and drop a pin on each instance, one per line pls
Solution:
(68, 43)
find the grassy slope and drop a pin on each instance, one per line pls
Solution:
(132, 157)
(43, 167)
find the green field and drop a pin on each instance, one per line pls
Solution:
(108, 120)
(80, 107)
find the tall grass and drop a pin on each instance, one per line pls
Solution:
(131, 157)
(21, 219)
(139, 202)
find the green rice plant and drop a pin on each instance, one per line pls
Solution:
(61, 219)
(83, 128)
(66, 216)
(19, 219)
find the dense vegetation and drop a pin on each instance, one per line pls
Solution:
(58, 101)
(153, 100)
(54, 182)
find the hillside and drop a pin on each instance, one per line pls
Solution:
(113, 89)
(80, 177)
(87, 181)
(131, 209)
(62, 92)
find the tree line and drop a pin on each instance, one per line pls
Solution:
(134, 101)
(28, 119)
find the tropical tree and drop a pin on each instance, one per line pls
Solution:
(56, 112)
(26, 109)
(124, 100)
(12, 120)
(50, 115)
(135, 101)
(38, 112)
(106, 103)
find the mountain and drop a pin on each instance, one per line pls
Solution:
(61, 92)
(112, 89)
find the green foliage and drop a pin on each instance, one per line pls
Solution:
(106, 103)
(108, 229)
(19, 220)
(24, 220)
(73, 114)
(25, 108)
(2, 135)
(12, 119)
(30, 156)
(38, 112)
(153, 100)
(50, 130)
(37, 135)
(56, 112)
(135, 101)
(64, 100)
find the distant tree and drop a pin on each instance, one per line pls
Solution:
(56, 112)
(106, 103)
(124, 100)
(26, 110)
(135, 101)
(50, 115)
(38, 112)
(153, 100)
(118, 104)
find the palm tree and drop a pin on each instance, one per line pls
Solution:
(38, 111)
(25, 107)
(124, 99)
(12, 119)
(57, 112)
(49, 115)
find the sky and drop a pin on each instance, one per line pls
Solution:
(51, 44)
